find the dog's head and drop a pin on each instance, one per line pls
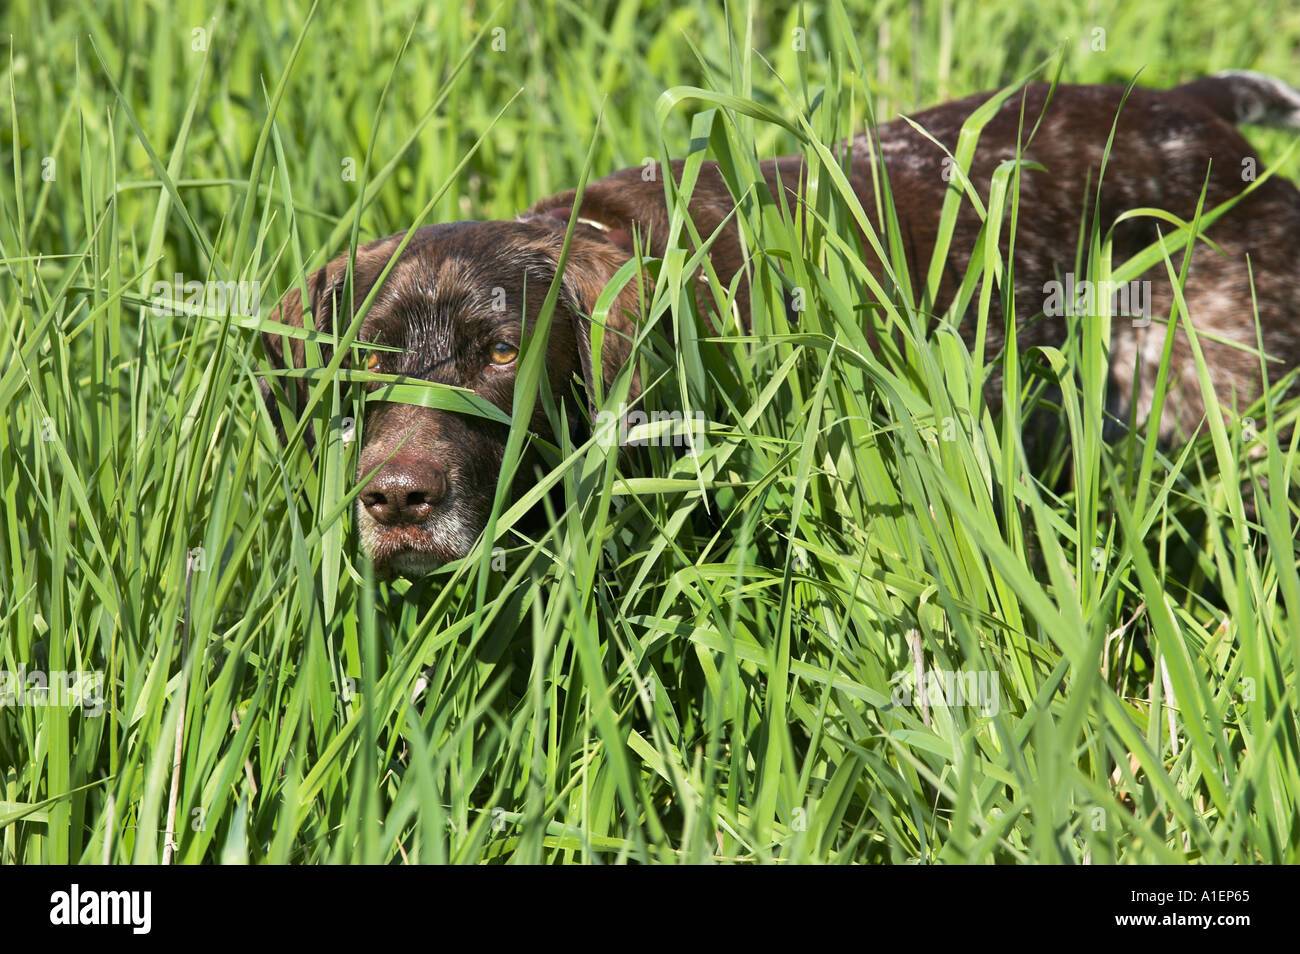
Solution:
(457, 303)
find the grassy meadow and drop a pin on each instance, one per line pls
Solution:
(713, 657)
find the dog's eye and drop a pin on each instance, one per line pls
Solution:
(503, 352)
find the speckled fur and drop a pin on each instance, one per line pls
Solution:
(1168, 144)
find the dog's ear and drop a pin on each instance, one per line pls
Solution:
(325, 290)
(614, 208)
(632, 202)
(615, 213)
(584, 280)
(594, 258)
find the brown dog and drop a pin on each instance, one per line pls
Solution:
(455, 301)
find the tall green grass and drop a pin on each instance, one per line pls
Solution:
(704, 659)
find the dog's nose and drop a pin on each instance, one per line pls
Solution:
(405, 491)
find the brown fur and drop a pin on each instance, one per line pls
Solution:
(430, 500)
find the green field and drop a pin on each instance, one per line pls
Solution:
(707, 659)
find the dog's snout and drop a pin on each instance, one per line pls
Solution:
(405, 492)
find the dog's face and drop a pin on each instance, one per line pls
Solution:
(457, 303)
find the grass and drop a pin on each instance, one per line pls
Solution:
(707, 658)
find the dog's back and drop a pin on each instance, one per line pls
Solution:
(1167, 145)
(456, 301)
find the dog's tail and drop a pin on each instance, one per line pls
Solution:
(1243, 96)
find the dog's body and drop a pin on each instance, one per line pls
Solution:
(441, 302)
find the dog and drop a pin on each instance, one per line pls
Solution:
(435, 471)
